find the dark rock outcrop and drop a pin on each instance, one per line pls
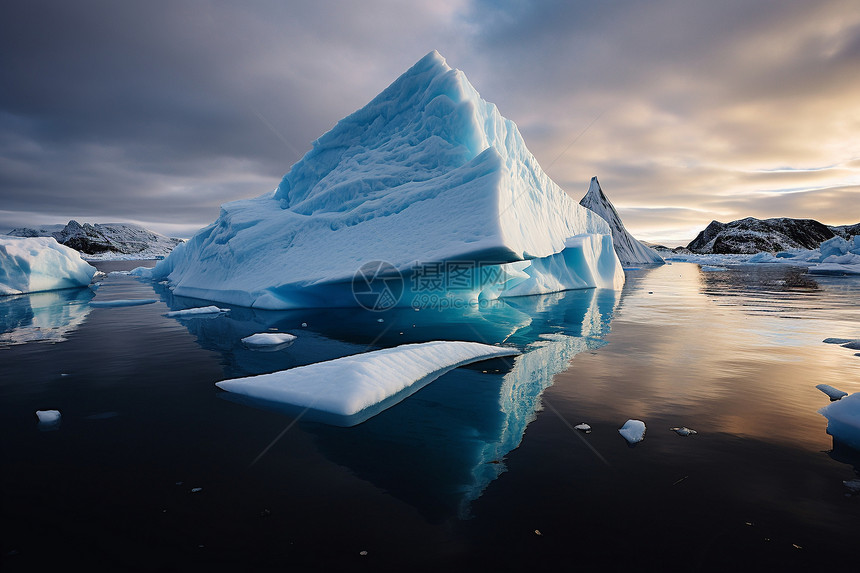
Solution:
(750, 235)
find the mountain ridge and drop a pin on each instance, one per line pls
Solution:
(750, 235)
(104, 239)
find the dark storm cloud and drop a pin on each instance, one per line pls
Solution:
(163, 110)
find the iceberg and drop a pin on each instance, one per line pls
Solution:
(426, 175)
(629, 250)
(633, 431)
(354, 388)
(843, 420)
(35, 264)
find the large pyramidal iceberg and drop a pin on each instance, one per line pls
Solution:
(628, 249)
(425, 175)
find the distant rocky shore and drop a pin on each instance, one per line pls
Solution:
(105, 240)
(750, 236)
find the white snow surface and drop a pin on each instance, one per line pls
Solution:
(197, 311)
(36, 264)
(348, 385)
(629, 250)
(426, 172)
(843, 419)
(633, 431)
(268, 339)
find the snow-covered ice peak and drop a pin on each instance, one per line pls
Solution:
(628, 249)
(427, 172)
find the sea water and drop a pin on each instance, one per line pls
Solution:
(151, 467)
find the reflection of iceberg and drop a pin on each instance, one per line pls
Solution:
(441, 447)
(44, 316)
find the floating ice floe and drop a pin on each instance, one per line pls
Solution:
(122, 302)
(712, 268)
(583, 427)
(48, 419)
(426, 173)
(684, 431)
(35, 264)
(346, 391)
(832, 393)
(843, 419)
(269, 340)
(633, 431)
(197, 312)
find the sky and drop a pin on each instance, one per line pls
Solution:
(687, 111)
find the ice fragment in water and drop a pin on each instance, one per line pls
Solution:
(684, 431)
(832, 392)
(633, 431)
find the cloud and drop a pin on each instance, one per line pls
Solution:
(160, 111)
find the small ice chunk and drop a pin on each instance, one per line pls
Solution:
(122, 302)
(380, 320)
(48, 416)
(684, 431)
(267, 339)
(852, 484)
(832, 392)
(200, 310)
(838, 340)
(304, 325)
(583, 427)
(633, 431)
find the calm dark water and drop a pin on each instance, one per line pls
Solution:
(480, 470)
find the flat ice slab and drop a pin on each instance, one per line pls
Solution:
(352, 388)
(198, 311)
(633, 431)
(268, 339)
(843, 419)
(34, 264)
(122, 302)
